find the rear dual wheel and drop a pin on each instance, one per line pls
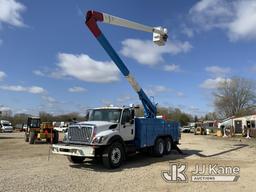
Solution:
(168, 146)
(158, 149)
(162, 146)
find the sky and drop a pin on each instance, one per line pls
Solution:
(49, 60)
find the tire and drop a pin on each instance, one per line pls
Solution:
(113, 156)
(32, 138)
(76, 159)
(26, 137)
(167, 146)
(158, 149)
(55, 137)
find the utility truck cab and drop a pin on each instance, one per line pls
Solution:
(5, 126)
(102, 124)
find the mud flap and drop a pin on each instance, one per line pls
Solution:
(175, 147)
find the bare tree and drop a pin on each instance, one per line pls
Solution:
(235, 96)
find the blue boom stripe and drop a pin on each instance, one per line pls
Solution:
(109, 49)
(149, 108)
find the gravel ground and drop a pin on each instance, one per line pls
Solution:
(27, 167)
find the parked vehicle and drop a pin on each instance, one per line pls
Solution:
(199, 129)
(39, 131)
(60, 126)
(25, 126)
(114, 132)
(5, 126)
(185, 129)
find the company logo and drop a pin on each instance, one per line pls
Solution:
(176, 173)
(201, 173)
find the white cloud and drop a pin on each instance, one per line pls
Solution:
(189, 32)
(180, 94)
(18, 88)
(4, 108)
(124, 98)
(209, 14)
(49, 99)
(10, 12)
(237, 18)
(157, 89)
(218, 71)
(2, 75)
(171, 68)
(39, 73)
(244, 25)
(77, 89)
(106, 102)
(84, 68)
(146, 52)
(213, 83)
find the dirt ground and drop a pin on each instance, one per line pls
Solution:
(25, 167)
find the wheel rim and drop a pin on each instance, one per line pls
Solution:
(168, 146)
(116, 155)
(161, 148)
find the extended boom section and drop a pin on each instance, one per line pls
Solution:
(159, 37)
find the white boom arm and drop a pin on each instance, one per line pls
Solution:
(159, 33)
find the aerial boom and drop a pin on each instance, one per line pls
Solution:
(159, 37)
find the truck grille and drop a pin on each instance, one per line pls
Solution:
(80, 134)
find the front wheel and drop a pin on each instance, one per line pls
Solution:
(55, 137)
(32, 137)
(76, 159)
(113, 155)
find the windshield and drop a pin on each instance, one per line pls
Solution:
(111, 115)
(6, 124)
(34, 123)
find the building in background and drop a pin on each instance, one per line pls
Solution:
(239, 123)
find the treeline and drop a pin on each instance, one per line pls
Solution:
(22, 118)
(169, 113)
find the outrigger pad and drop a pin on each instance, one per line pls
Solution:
(177, 149)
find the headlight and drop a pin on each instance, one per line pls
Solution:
(65, 138)
(99, 139)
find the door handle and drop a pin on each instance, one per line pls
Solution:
(132, 131)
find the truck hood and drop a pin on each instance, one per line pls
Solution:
(101, 125)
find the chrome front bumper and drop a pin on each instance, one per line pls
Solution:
(72, 150)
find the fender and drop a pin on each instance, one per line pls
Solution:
(114, 139)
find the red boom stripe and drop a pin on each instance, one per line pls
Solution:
(91, 21)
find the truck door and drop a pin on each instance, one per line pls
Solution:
(127, 129)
